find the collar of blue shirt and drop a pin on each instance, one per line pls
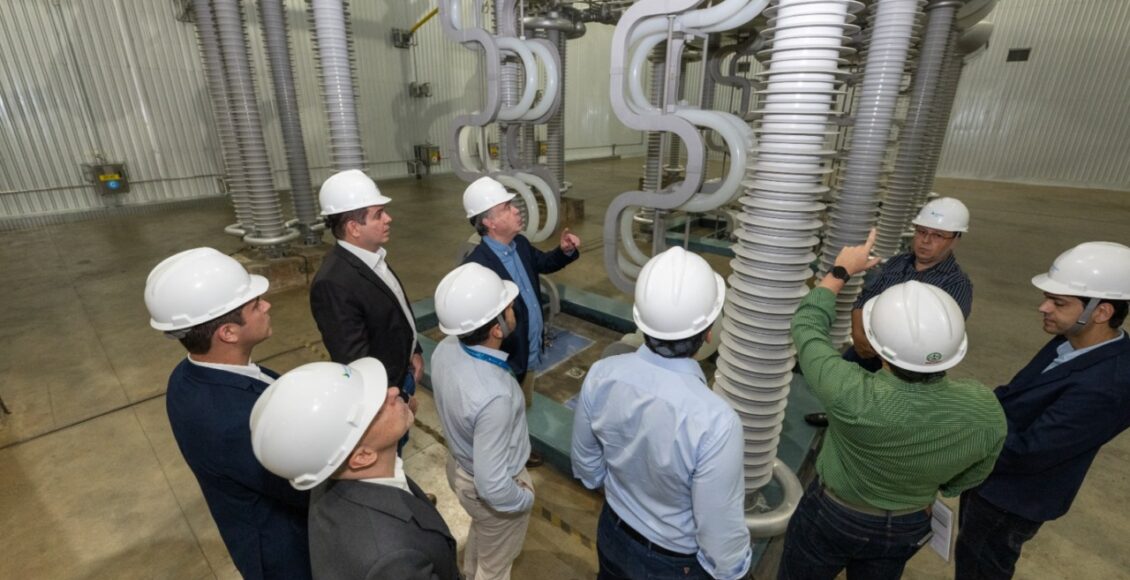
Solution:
(686, 366)
(498, 247)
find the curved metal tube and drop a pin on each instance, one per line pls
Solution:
(547, 56)
(529, 66)
(542, 233)
(773, 523)
(451, 22)
(739, 138)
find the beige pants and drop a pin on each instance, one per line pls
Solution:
(527, 386)
(495, 538)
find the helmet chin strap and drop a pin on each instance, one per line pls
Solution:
(1084, 317)
(501, 319)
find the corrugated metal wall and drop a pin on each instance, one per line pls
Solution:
(112, 77)
(1062, 117)
(123, 78)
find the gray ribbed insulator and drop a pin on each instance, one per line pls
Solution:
(267, 228)
(338, 90)
(218, 96)
(555, 129)
(652, 170)
(906, 177)
(857, 201)
(779, 220)
(939, 119)
(529, 145)
(273, 16)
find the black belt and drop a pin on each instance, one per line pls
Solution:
(640, 539)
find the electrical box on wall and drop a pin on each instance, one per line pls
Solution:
(426, 156)
(108, 178)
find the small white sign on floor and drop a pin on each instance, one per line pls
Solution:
(943, 526)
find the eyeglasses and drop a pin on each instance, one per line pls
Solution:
(933, 236)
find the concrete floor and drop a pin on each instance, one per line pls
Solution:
(92, 485)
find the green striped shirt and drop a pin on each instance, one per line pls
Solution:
(890, 444)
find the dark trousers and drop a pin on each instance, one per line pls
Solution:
(408, 386)
(989, 539)
(825, 537)
(623, 557)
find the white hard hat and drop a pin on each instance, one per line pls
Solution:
(917, 327)
(196, 286)
(306, 424)
(483, 194)
(1092, 270)
(946, 214)
(349, 190)
(678, 295)
(471, 296)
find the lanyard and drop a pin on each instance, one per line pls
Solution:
(486, 358)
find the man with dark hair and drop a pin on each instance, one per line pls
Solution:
(510, 255)
(483, 415)
(336, 427)
(1070, 400)
(938, 228)
(215, 308)
(357, 300)
(666, 450)
(895, 439)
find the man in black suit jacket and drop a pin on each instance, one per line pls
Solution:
(1070, 400)
(368, 520)
(357, 300)
(510, 255)
(261, 519)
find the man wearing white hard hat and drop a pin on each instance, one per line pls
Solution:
(1068, 402)
(357, 300)
(938, 228)
(896, 437)
(510, 255)
(484, 417)
(209, 302)
(336, 427)
(666, 450)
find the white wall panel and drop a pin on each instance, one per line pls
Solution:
(123, 78)
(1062, 117)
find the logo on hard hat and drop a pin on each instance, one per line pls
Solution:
(934, 357)
(346, 371)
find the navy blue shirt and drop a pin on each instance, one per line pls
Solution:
(261, 518)
(946, 275)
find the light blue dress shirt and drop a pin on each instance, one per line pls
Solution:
(526, 290)
(1065, 352)
(668, 453)
(484, 418)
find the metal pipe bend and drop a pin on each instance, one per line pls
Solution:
(774, 522)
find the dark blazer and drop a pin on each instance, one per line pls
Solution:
(373, 531)
(358, 314)
(261, 518)
(517, 345)
(1057, 421)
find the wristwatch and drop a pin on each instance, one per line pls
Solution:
(841, 273)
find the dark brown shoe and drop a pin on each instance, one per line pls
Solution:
(535, 460)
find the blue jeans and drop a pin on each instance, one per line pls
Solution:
(989, 539)
(824, 537)
(623, 557)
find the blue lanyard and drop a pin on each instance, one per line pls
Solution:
(486, 358)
